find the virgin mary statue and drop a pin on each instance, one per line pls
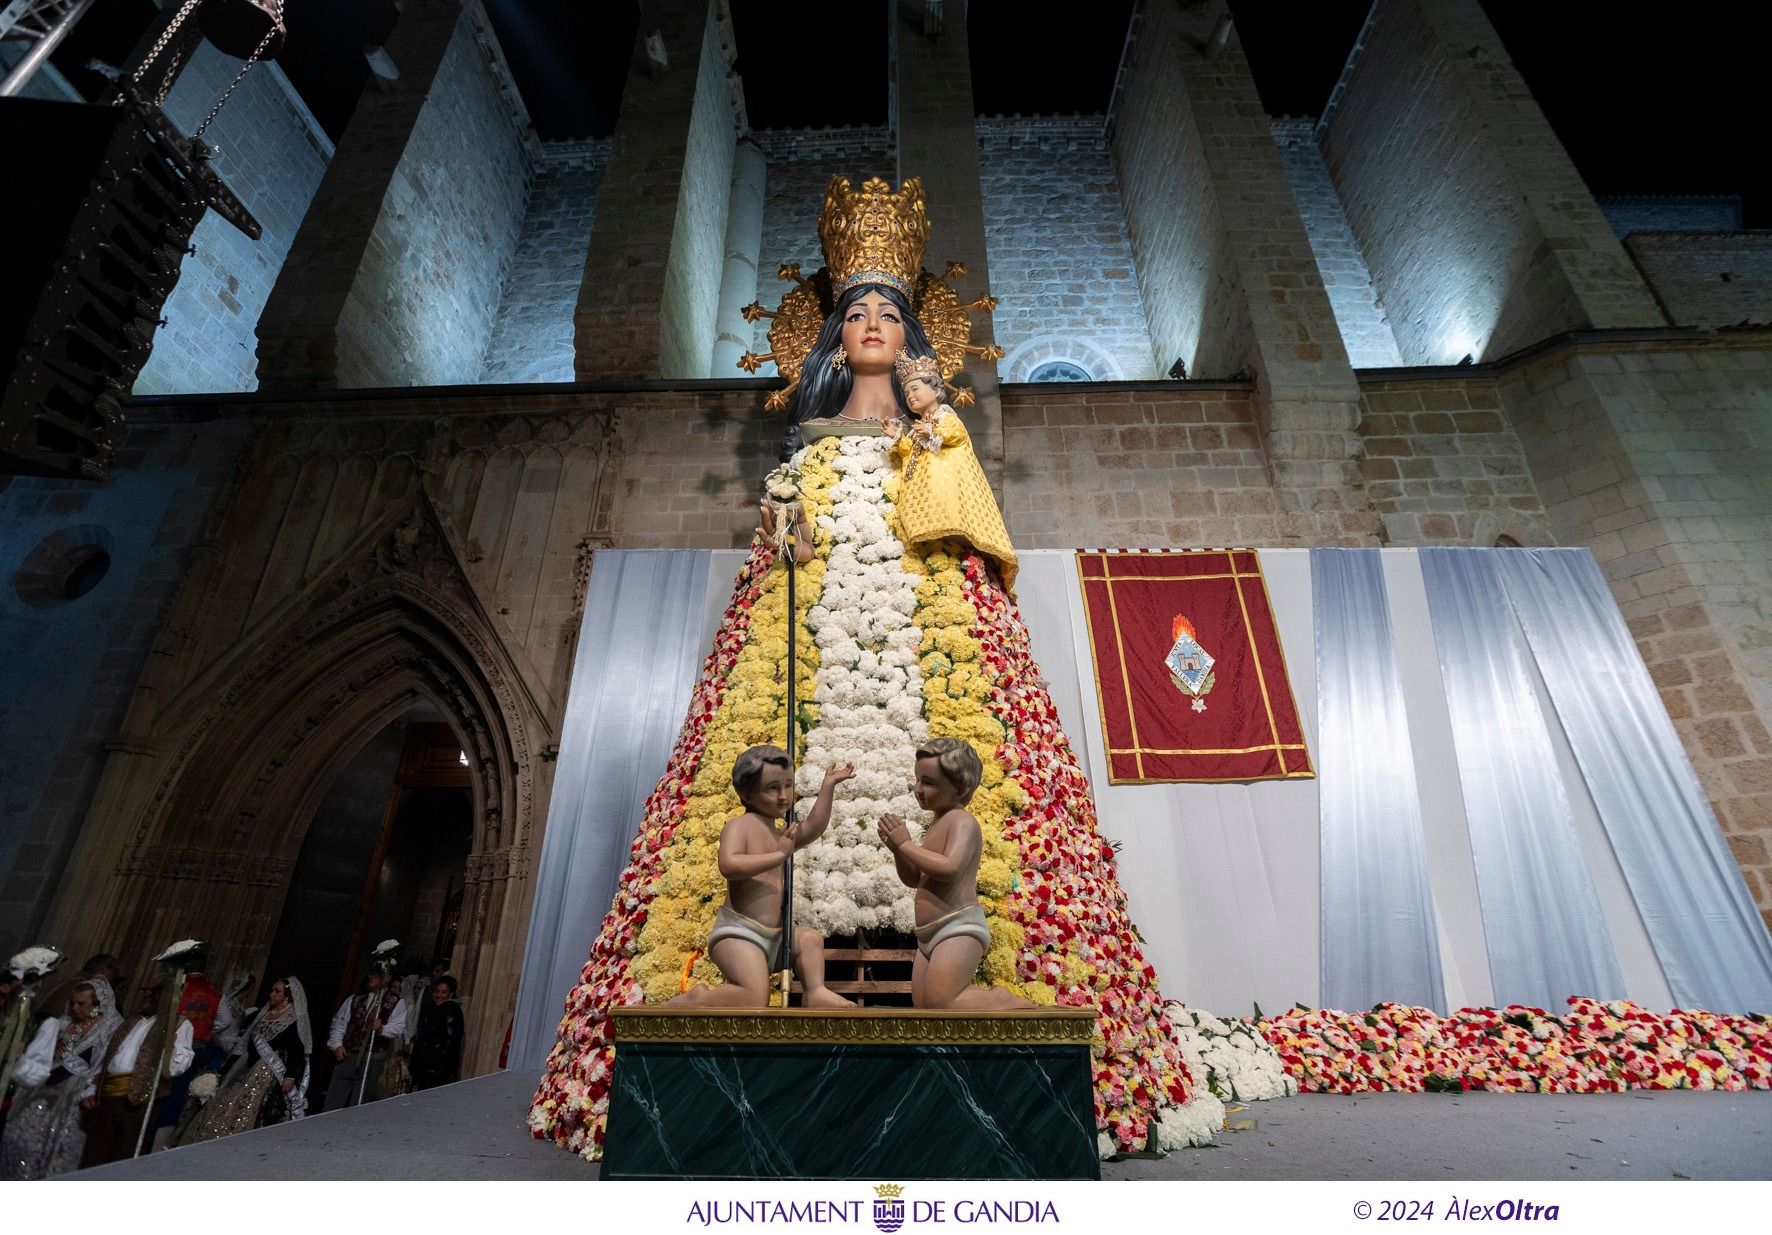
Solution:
(908, 630)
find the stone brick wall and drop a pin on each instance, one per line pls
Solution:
(532, 337)
(273, 153)
(1365, 331)
(1132, 466)
(801, 164)
(1671, 214)
(645, 273)
(1655, 457)
(70, 668)
(1193, 306)
(422, 308)
(1061, 263)
(1457, 258)
(1708, 279)
(688, 313)
(1442, 466)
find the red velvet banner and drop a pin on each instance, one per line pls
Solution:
(1188, 668)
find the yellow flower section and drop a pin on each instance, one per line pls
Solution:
(751, 712)
(956, 694)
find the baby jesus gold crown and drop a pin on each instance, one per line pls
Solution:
(875, 235)
(912, 367)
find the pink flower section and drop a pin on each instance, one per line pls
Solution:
(1069, 903)
(1597, 1047)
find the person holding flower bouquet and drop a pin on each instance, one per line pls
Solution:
(754, 847)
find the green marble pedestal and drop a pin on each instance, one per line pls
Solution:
(872, 1094)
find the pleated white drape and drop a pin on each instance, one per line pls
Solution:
(640, 646)
(1379, 936)
(1546, 936)
(1711, 942)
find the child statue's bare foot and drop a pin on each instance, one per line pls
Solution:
(825, 997)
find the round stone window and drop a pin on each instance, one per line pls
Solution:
(1060, 371)
(63, 567)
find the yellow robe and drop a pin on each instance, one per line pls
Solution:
(948, 496)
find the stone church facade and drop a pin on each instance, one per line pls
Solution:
(371, 459)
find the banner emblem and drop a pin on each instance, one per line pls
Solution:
(1190, 665)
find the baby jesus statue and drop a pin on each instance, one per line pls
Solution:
(952, 932)
(944, 492)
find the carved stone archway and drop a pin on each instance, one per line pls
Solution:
(207, 847)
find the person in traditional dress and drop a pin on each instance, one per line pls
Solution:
(436, 1046)
(375, 1011)
(132, 1079)
(56, 1076)
(231, 1018)
(211, 1018)
(396, 1076)
(267, 1080)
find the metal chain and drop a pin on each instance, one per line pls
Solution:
(244, 70)
(160, 43)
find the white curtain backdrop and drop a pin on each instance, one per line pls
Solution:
(1541, 915)
(640, 647)
(1227, 882)
(1692, 898)
(1379, 935)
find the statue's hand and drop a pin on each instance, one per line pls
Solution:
(894, 832)
(767, 510)
(837, 775)
(787, 839)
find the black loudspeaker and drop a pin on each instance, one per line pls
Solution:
(104, 203)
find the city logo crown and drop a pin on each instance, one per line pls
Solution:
(890, 1191)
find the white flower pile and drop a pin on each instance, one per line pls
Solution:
(869, 691)
(180, 949)
(386, 946)
(1229, 1057)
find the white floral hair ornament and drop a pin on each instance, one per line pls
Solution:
(34, 964)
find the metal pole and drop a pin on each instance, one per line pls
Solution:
(46, 43)
(787, 870)
(12, 1039)
(170, 1011)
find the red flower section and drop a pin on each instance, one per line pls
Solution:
(1598, 1047)
(568, 1107)
(1069, 903)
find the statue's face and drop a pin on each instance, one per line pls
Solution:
(774, 792)
(935, 792)
(920, 396)
(873, 331)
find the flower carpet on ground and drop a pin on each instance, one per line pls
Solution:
(1596, 1047)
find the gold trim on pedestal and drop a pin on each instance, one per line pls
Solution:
(862, 1027)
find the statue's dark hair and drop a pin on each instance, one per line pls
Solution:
(823, 390)
(747, 769)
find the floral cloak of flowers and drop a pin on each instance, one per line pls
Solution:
(897, 643)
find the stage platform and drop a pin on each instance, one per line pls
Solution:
(475, 1130)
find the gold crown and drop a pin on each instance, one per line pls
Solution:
(889, 1191)
(874, 236)
(912, 367)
